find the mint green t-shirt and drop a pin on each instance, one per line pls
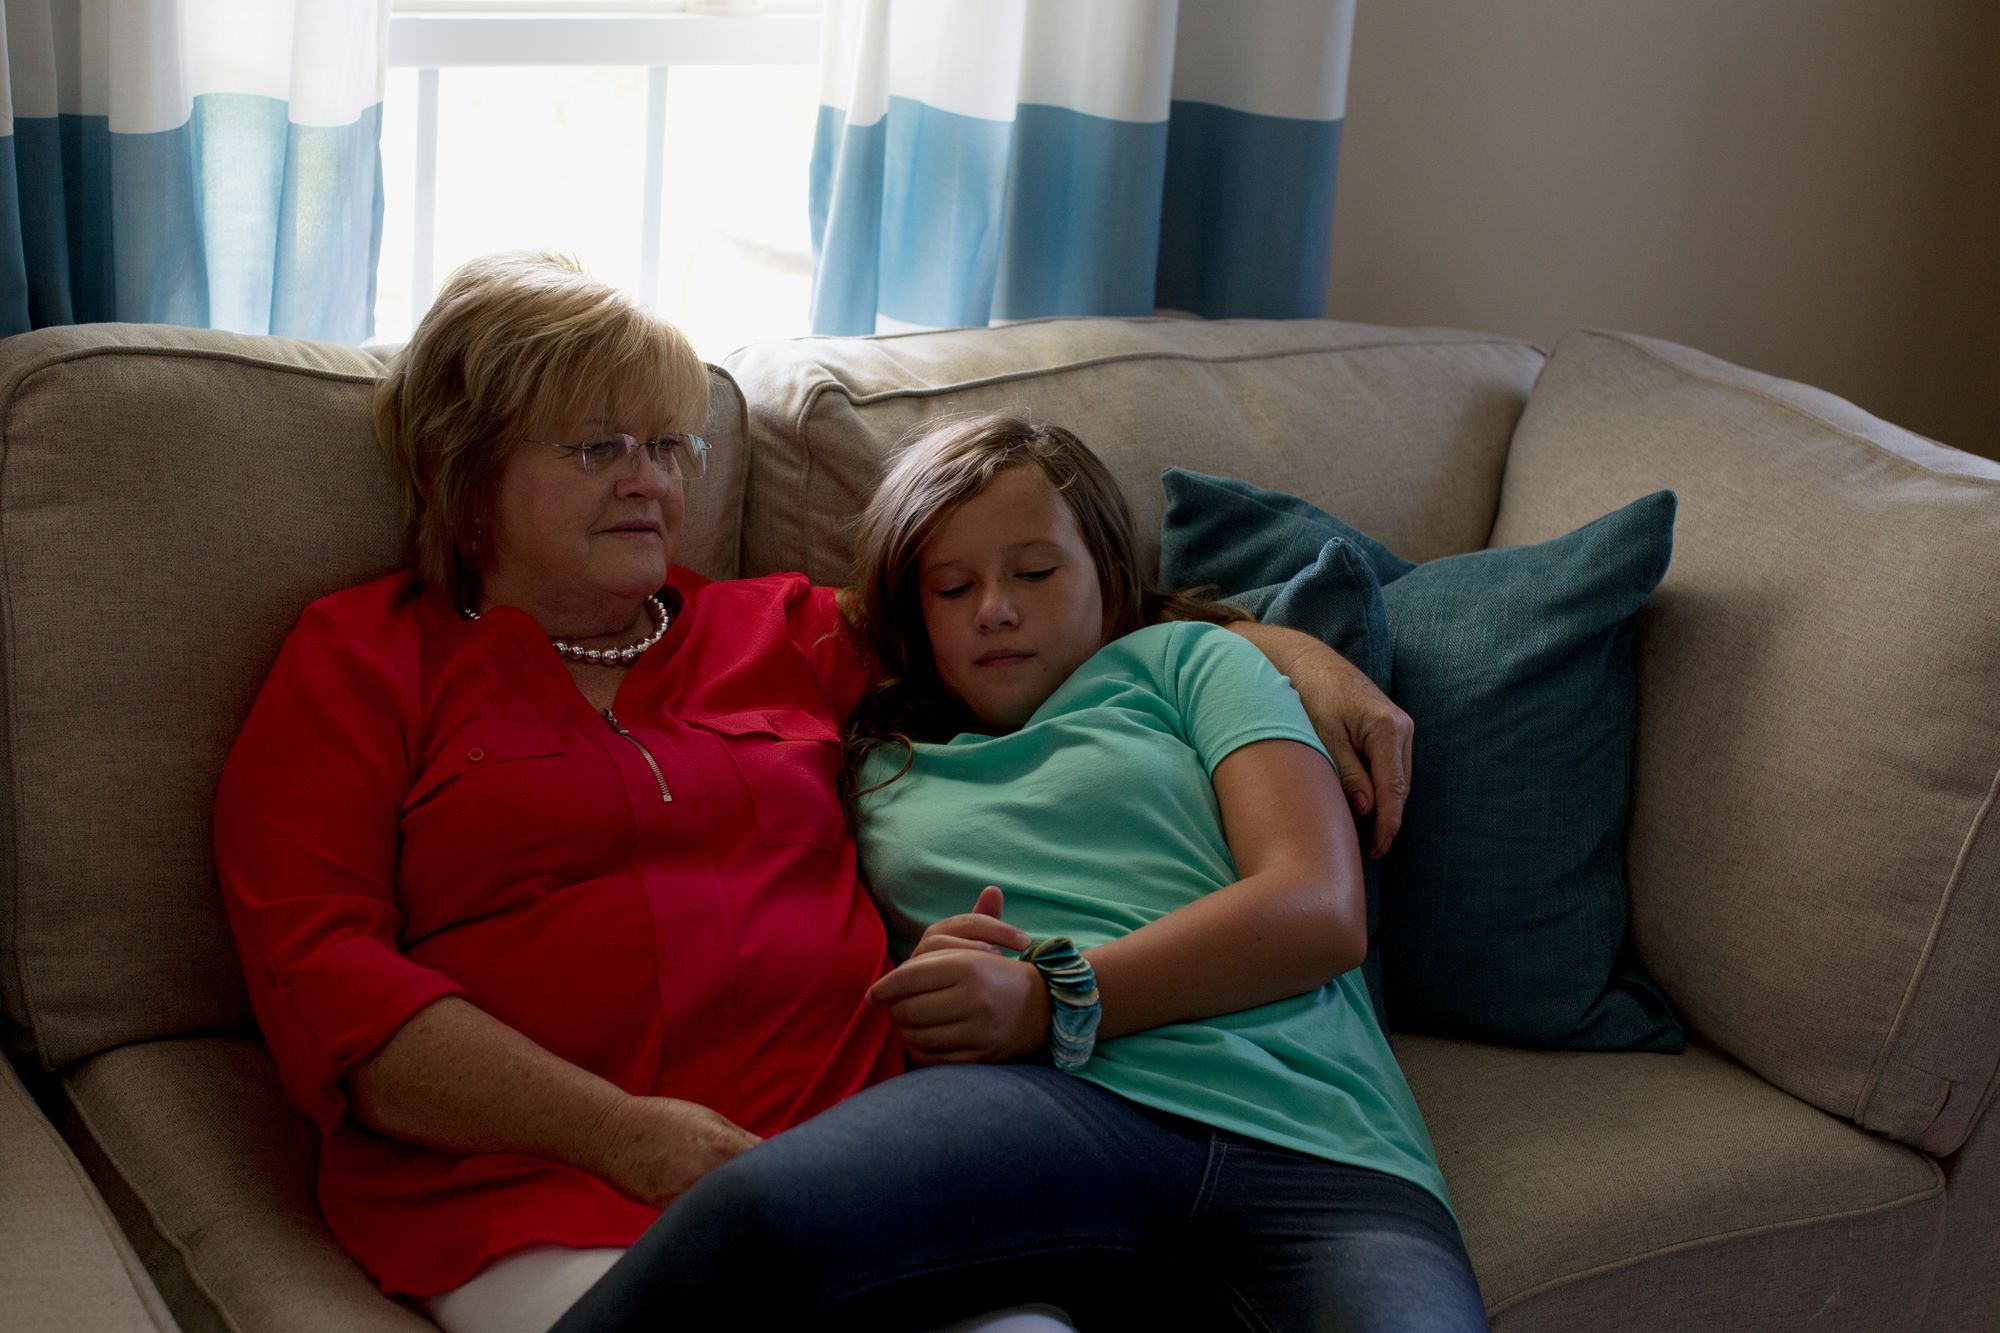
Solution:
(1097, 816)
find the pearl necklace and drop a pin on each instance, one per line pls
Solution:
(625, 656)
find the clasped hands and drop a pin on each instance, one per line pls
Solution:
(960, 999)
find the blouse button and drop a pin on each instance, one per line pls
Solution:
(475, 754)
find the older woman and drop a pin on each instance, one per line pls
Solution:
(533, 853)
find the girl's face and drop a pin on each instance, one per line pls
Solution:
(1010, 597)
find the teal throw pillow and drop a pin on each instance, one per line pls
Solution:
(1337, 599)
(1502, 911)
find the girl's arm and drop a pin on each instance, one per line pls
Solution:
(1296, 919)
(1368, 736)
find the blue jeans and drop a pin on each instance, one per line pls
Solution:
(965, 1188)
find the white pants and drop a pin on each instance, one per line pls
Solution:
(528, 1290)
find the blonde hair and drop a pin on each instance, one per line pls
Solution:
(518, 347)
(943, 464)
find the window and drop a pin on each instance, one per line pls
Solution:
(666, 145)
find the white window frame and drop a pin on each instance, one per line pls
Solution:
(656, 35)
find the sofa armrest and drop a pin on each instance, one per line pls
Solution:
(63, 1262)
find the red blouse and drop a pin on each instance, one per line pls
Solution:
(422, 806)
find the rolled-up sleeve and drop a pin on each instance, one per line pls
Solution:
(306, 835)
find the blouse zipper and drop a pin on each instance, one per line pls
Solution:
(666, 797)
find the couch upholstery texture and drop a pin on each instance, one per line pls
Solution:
(1813, 854)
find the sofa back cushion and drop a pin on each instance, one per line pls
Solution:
(1403, 431)
(169, 500)
(1813, 854)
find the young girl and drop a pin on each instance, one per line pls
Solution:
(1174, 1107)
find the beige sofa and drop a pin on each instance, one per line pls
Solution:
(1814, 854)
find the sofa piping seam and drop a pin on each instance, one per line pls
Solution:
(1937, 1261)
(1791, 1224)
(1120, 358)
(743, 432)
(1011, 324)
(1872, 1083)
(1448, 334)
(1805, 413)
(808, 463)
(121, 1244)
(16, 959)
(194, 353)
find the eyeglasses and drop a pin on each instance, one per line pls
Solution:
(681, 456)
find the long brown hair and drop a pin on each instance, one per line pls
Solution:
(942, 464)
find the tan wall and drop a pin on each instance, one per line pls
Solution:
(1807, 187)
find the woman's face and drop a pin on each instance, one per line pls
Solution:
(1010, 597)
(574, 548)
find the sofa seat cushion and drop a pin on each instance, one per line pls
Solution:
(63, 1262)
(210, 1171)
(1643, 1192)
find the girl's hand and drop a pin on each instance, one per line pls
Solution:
(981, 928)
(654, 1149)
(961, 1004)
(958, 999)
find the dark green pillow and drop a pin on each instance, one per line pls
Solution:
(1503, 899)
(1338, 600)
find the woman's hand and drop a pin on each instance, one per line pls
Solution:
(654, 1149)
(457, 1079)
(959, 1000)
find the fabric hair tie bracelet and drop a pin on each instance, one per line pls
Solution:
(1073, 1007)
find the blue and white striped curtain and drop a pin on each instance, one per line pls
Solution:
(987, 160)
(206, 162)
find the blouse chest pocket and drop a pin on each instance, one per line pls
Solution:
(481, 747)
(790, 764)
(489, 824)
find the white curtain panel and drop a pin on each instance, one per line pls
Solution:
(202, 162)
(991, 160)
